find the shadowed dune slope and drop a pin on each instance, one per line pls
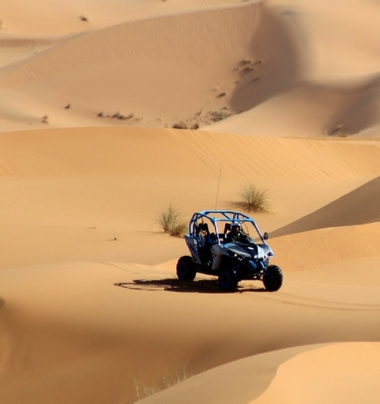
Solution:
(357, 207)
(313, 109)
(338, 71)
(332, 365)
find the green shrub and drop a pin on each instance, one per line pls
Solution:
(171, 221)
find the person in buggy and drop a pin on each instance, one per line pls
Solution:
(236, 234)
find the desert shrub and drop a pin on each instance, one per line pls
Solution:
(216, 116)
(254, 199)
(180, 125)
(171, 221)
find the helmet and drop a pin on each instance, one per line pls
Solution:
(234, 224)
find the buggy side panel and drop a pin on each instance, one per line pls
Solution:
(193, 246)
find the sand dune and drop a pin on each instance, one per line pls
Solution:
(101, 317)
(68, 190)
(79, 188)
(313, 110)
(286, 97)
(285, 365)
(189, 71)
(194, 64)
(357, 207)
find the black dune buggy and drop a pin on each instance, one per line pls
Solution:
(213, 252)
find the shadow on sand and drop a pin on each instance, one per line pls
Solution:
(175, 285)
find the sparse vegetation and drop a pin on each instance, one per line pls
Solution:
(184, 125)
(83, 18)
(254, 199)
(45, 119)
(180, 125)
(171, 222)
(68, 106)
(116, 115)
(216, 116)
(143, 390)
(247, 66)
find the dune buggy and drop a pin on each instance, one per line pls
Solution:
(214, 251)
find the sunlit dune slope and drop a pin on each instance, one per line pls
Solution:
(308, 250)
(54, 17)
(97, 150)
(77, 190)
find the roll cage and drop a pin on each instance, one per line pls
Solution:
(220, 218)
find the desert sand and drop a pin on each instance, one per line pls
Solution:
(110, 112)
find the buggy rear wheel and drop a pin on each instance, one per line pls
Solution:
(272, 278)
(228, 280)
(185, 269)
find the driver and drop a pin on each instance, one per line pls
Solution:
(236, 234)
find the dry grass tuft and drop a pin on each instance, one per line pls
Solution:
(254, 199)
(171, 222)
(143, 390)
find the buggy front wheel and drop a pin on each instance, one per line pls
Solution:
(228, 280)
(185, 269)
(272, 278)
